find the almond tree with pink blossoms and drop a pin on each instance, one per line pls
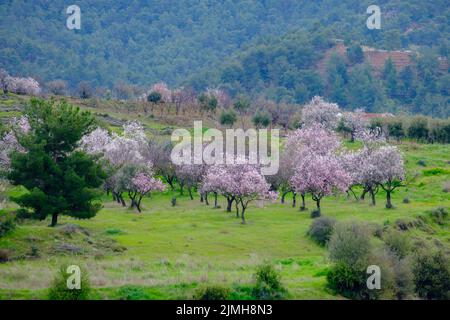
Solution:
(143, 184)
(242, 183)
(118, 150)
(320, 175)
(318, 111)
(390, 170)
(9, 142)
(304, 144)
(190, 176)
(363, 172)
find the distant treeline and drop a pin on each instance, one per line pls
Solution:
(418, 128)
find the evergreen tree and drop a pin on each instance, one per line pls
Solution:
(59, 178)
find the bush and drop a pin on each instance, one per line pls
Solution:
(377, 230)
(348, 281)
(435, 172)
(396, 278)
(432, 275)
(5, 255)
(422, 163)
(439, 215)
(60, 291)
(132, 293)
(268, 285)
(315, 214)
(7, 223)
(397, 243)
(406, 200)
(321, 229)
(212, 293)
(350, 243)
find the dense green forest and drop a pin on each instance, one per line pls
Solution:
(268, 47)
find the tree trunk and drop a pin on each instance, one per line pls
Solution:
(215, 199)
(318, 205)
(122, 201)
(303, 207)
(190, 193)
(54, 220)
(363, 194)
(388, 200)
(229, 203)
(294, 199)
(181, 188)
(243, 214)
(206, 199)
(283, 195)
(169, 180)
(237, 209)
(138, 204)
(201, 197)
(372, 195)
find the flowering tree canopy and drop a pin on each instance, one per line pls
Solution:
(318, 111)
(354, 122)
(9, 142)
(19, 85)
(163, 90)
(390, 170)
(190, 175)
(142, 184)
(242, 183)
(314, 139)
(320, 175)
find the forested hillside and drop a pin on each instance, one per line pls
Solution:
(296, 67)
(270, 48)
(147, 41)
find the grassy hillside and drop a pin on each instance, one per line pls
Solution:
(167, 252)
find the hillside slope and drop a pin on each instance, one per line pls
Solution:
(144, 41)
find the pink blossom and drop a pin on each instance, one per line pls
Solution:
(144, 183)
(318, 111)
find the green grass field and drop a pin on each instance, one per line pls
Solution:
(167, 252)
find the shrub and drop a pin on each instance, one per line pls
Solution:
(315, 214)
(432, 275)
(406, 224)
(132, 293)
(418, 129)
(321, 229)
(268, 285)
(350, 243)
(422, 163)
(377, 230)
(348, 281)
(7, 223)
(435, 172)
(396, 278)
(60, 291)
(23, 214)
(212, 293)
(5, 255)
(439, 215)
(406, 200)
(397, 243)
